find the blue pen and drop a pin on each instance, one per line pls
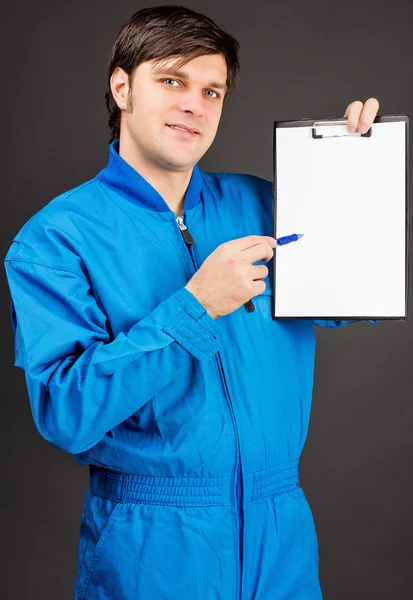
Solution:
(289, 238)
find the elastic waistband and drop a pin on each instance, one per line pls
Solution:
(192, 491)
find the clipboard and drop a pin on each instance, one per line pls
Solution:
(349, 196)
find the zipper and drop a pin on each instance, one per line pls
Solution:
(238, 494)
(238, 487)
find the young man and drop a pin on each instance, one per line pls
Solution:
(128, 305)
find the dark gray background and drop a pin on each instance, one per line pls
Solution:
(298, 59)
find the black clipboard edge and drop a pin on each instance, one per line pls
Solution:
(309, 122)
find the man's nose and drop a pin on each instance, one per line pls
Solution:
(192, 101)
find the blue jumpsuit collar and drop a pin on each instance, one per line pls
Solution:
(126, 181)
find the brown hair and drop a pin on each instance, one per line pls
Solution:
(161, 32)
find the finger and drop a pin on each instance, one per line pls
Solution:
(259, 252)
(369, 112)
(353, 113)
(259, 272)
(258, 287)
(251, 240)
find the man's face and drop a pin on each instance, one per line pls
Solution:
(161, 97)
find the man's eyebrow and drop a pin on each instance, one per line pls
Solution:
(184, 75)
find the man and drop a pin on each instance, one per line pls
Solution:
(141, 359)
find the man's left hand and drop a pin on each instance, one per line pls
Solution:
(360, 116)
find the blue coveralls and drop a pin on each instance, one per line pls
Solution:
(193, 427)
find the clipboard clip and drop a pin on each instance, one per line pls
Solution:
(331, 128)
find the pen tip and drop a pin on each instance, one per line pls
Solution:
(299, 235)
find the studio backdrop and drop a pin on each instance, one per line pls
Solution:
(298, 59)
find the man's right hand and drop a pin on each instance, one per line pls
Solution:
(228, 278)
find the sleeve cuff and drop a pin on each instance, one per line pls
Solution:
(193, 327)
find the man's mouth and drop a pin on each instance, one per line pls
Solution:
(191, 131)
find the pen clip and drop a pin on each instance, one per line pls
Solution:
(334, 128)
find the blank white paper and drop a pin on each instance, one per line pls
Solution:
(347, 195)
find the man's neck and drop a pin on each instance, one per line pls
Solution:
(171, 185)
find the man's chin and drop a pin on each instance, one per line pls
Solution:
(179, 164)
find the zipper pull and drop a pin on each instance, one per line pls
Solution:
(185, 231)
(249, 306)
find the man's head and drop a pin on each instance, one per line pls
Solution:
(170, 66)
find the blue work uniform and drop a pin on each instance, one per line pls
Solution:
(192, 427)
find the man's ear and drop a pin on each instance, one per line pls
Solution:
(119, 84)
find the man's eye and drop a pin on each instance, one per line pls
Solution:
(166, 80)
(216, 95)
